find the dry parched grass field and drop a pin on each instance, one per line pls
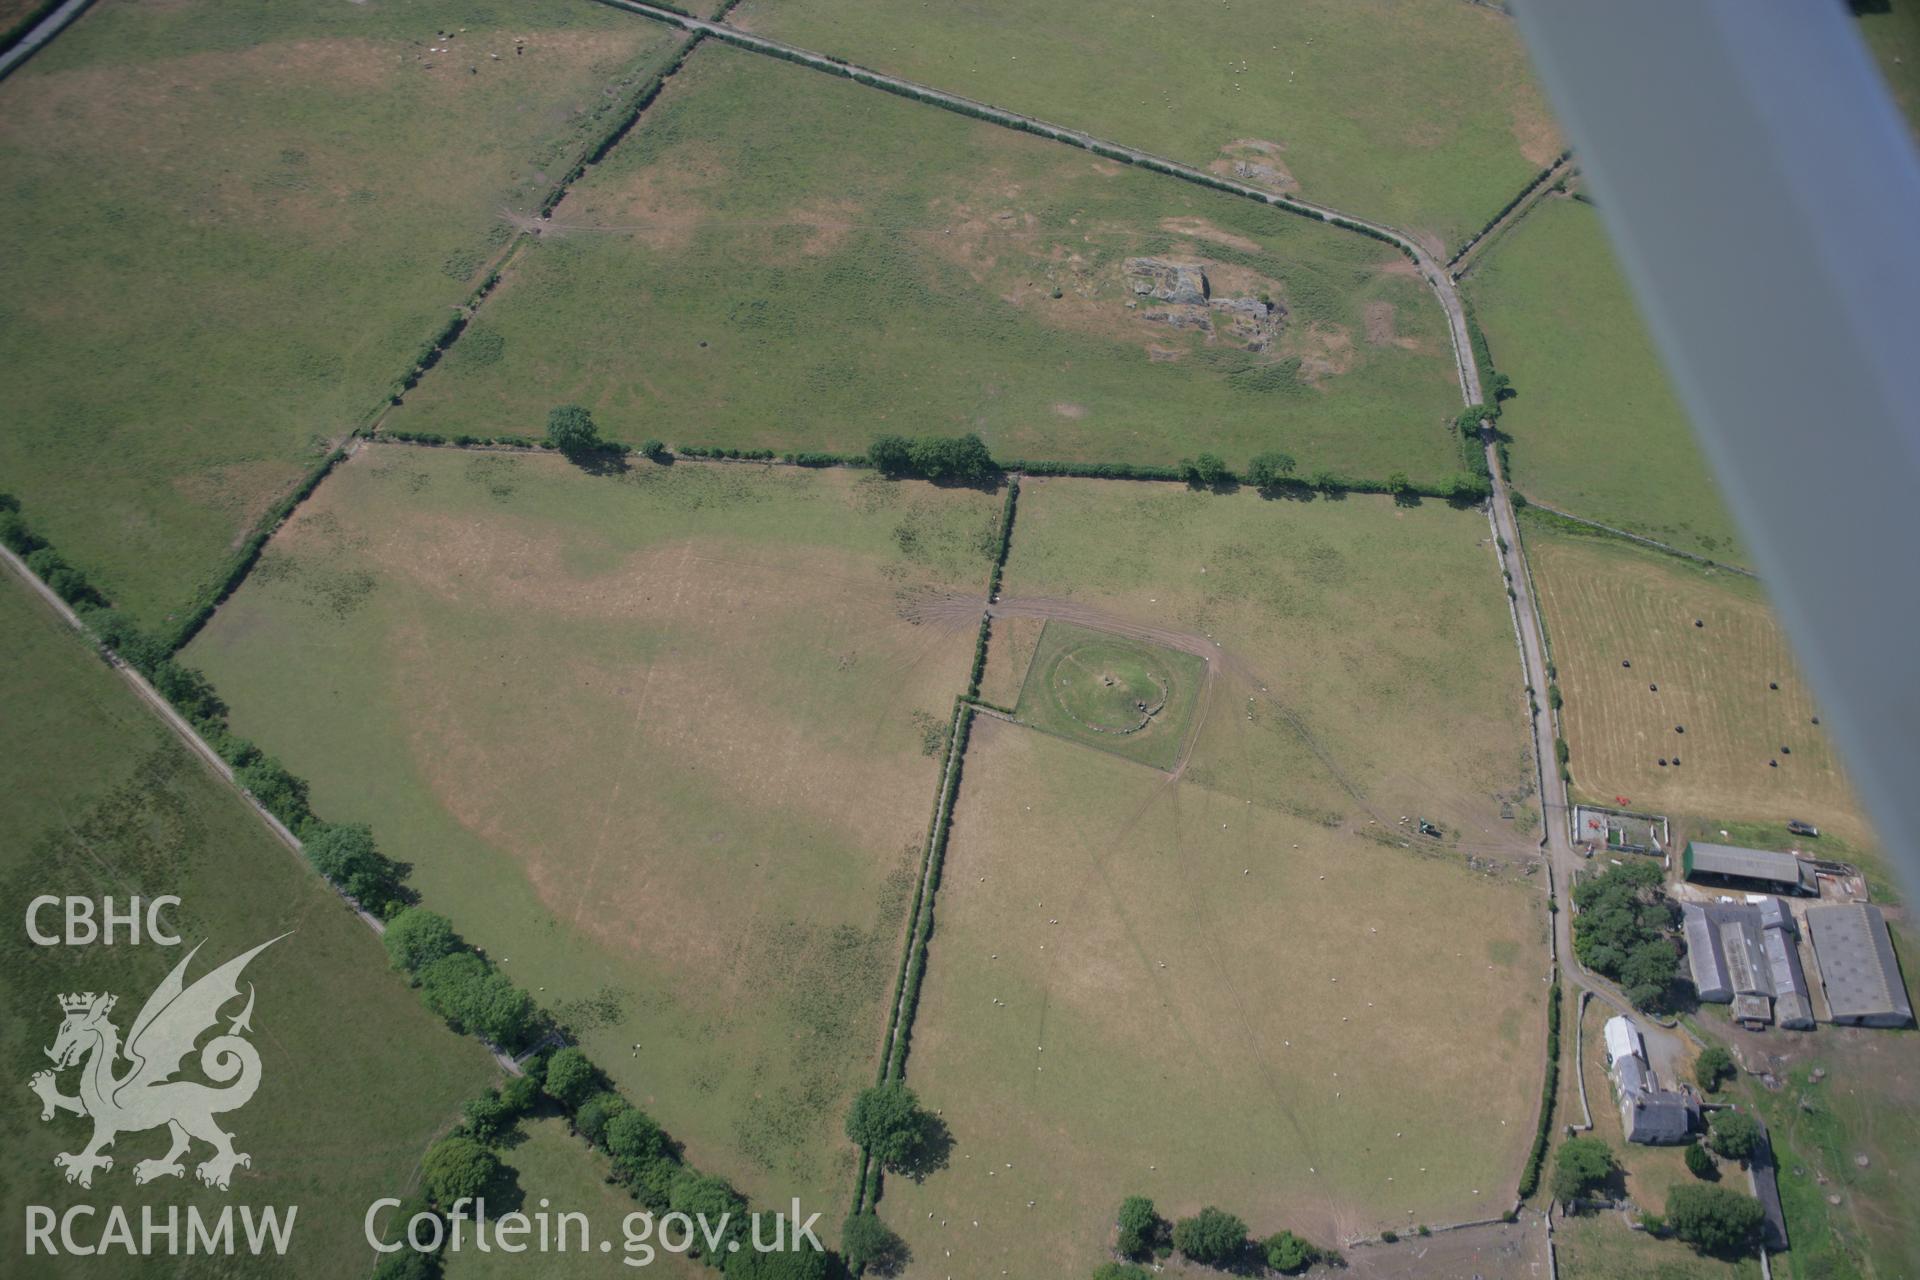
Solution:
(1607, 602)
(1228, 985)
(663, 743)
(1141, 986)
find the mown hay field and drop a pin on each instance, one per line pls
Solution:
(1425, 115)
(228, 229)
(776, 258)
(664, 743)
(1607, 602)
(1597, 430)
(1201, 987)
(357, 1078)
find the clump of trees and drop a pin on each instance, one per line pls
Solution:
(1580, 1167)
(1624, 931)
(1207, 471)
(1714, 1219)
(890, 1123)
(1270, 470)
(1290, 1254)
(1141, 1227)
(1699, 1163)
(1733, 1134)
(866, 1243)
(457, 1167)
(960, 459)
(571, 430)
(459, 984)
(1714, 1068)
(1213, 1237)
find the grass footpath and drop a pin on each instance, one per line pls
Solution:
(778, 259)
(229, 228)
(1423, 115)
(357, 1078)
(1596, 428)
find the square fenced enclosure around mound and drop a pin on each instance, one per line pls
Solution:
(1130, 697)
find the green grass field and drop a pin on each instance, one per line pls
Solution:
(1605, 602)
(656, 741)
(1134, 699)
(1596, 428)
(1425, 115)
(230, 228)
(357, 1078)
(776, 258)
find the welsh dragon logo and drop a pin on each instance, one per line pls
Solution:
(145, 1097)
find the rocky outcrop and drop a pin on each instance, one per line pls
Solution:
(1248, 321)
(1182, 283)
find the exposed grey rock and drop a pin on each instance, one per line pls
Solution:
(1248, 321)
(1178, 282)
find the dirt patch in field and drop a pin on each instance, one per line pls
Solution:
(241, 490)
(1324, 351)
(1066, 409)
(1201, 229)
(1380, 321)
(1534, 129)
(1255, 161)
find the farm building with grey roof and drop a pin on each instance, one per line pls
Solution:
(1761, 869)
(1857, 966)
(1745, 954)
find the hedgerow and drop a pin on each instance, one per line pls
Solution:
(1530, 1172)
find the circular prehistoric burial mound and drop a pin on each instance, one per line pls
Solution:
(1131, 697)
(1109, 686)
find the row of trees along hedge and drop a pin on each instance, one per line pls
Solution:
(208, 598)
(1549, 1095)
(622, 121)
(466, 1164)
(1509, 207)
(936, 858)
(962, 459)
(454, 980)
(1003, 543)
(1212, 1237)
(345, 855)
(1624, 931)
(1271, 472)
